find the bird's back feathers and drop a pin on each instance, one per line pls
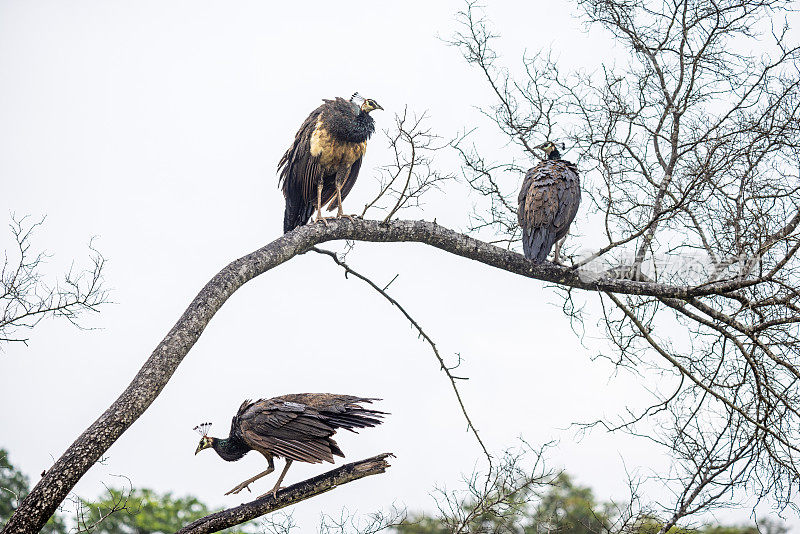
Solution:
(300, 426)
(548, 203)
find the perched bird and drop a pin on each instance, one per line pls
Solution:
(548, 202)
(296, 427)
(322, 164)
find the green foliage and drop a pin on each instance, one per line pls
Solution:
(765, 526)
(120, 512)
(729, 530)
(141, 511)
(570, 509)
(651, 525)
(565, 508)
(14, 486)
(421, 525)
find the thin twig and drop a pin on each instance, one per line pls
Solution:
(422, 333)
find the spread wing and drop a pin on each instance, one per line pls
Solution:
(299, 426)
(548, 203)
(299, 174)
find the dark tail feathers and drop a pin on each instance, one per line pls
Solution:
(296, 214)
(537, 244)
(354, 417)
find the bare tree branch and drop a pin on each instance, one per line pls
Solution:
(288, 496)
(156, 372)
(411, 174)
(26, 298)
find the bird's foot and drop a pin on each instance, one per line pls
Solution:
(351, 218)
(239, 488)
(323, 219)
(274, 492)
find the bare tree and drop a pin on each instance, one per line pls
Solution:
(26, 297)
(689, 153)
(689, 156)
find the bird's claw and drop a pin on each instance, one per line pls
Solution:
(238, 488)
(274, 492)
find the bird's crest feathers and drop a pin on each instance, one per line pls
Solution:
(357, 99)
(203, 429)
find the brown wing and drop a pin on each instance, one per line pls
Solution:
(299, 173)
(339, 411)
(569, 198)
(292, 430)
(299, 427)
(548, 203)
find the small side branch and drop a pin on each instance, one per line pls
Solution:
(289, 496)
(26, 297)
(412, 174)
(447, 370)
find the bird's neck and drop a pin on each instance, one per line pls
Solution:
(555, 154)
(365, 126)
(230, 449)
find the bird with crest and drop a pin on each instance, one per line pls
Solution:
(321, 166)
(298, 427)
(548, 202)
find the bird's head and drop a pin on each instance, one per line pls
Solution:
(365, 104)
(370, 105)
(551, 148)
(205, 441)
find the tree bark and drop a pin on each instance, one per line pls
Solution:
(288, 496)
(37, 507)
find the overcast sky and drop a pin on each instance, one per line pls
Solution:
(157, 127)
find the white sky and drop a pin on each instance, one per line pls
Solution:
(157, 126)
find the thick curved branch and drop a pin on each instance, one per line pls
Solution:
(34, 511)
(288, 496)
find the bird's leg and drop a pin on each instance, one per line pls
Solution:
(274, 490)
(557, 253)
(340, 213)
(249, 481)
(319, 205)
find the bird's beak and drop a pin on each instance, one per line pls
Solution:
(199, 448)
(378, 106)
(541, 147)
